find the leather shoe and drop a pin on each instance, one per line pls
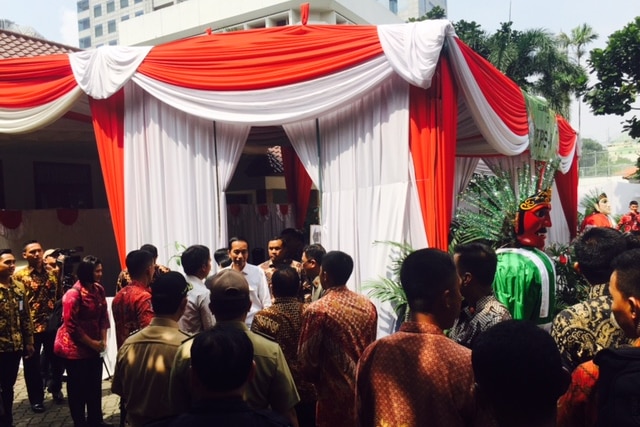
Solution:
(58, 397)
(38, 408)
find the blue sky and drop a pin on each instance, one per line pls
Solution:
(56, 20)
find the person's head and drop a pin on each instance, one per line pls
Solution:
(7, 263)
(432, 285)
(519, 374)
(625, 291)
(169, 294)
(238, 252)
(221, 361)
(336, 268)
(312, 260)
(221, 256)
(151, 249)
(532, 219)
(633, 206)
(595, 249)
(293, 240)
(275, 249)
(196, 261)
(51, 261)
(32, 252)
(285, 282)
(229, 298)
(476, 264)
(140, 265)
(89, 270)
(602, 204)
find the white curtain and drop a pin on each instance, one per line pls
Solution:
(172, 193)
(559, 230)
(230, 139)
(511, 164)
(465, 167)
(304, 139)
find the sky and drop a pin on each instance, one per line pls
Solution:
(56, 21)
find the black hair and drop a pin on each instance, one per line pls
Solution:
(5, 251)
(151, 249)
(518, 370)
(221, 256)
(193, 258)
(314, 251)
(238, 239)
(627, 269)
(338, 265)
(86, 268)
(633, 202)
(221, 358)
(29, 242)
(285, 281)
(425, 275)
(137, 262)
(167, 293)
(596, 248)
(478, 259)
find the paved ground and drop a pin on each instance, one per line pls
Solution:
(58, 415)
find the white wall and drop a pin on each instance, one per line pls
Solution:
(620, 192)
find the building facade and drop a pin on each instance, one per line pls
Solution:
(140, 22)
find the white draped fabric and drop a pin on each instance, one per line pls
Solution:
(170, 176)
(465, 167)
(559, 230)
(511, 164)
(304, 139)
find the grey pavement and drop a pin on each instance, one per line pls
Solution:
(57, 415)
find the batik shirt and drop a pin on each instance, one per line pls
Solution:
(335, 331)
(42, 293)
(16, 327)
(583, 329)
(415, 377)
(269, 268)
(578, 407)
(474, 320)
(283, 323)
(132, 310)
(124, 279)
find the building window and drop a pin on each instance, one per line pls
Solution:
(84, 24)
(62, 185)
(113, 42)
(124, 18)
(85, 42)
(111, 7)
(137, 1)
(140, 13)
(97, 10)
(98, 30)
(124, 3)
(83, 5)
(111, 26)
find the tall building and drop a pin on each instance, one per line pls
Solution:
(136, 22)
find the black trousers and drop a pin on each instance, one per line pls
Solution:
(32, 373)
(9, 364)
(52, 365)
(84, 390)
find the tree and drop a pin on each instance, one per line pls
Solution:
(435, 13)
(617, 68)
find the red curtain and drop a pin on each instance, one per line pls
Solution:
(258, 59)
(432, 139)
(108, 125)
(30, 82)
(567, 184)
(298, 184)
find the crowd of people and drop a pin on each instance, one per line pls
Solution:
(287, 343)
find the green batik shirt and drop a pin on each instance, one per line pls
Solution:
(42, 293)
(16, 327)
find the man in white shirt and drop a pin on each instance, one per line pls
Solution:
(258, 287)
(196, 263)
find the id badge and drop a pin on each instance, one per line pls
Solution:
(21, 305)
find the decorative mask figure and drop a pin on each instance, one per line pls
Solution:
(601, 216)
(532, 219)
(603, 206)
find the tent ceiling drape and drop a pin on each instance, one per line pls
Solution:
(282, 76)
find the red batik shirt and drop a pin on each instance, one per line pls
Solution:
(335, 331)
(132, 310)
(416, 377)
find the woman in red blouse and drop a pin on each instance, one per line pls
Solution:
(80, 341)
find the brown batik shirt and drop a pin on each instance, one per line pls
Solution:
(43, 291)
(16, 327)
(335, 331)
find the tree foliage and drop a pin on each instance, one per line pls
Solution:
(435, 13)
(617, 68)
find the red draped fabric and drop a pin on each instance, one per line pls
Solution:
(30, 82)
(108, 125)
(567, 184)
(432, 139)
(502, 94)
(298, 184)
(258, 59)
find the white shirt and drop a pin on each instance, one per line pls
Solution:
(258, 290)
(197, 316)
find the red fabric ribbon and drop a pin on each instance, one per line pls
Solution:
(67, 216)
(11, 219)
(304, 13)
